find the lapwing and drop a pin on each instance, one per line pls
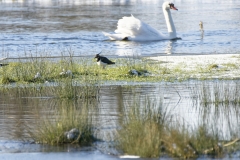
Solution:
(73, 134)
(3, 64)
(103, 61)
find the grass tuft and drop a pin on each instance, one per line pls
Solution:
(51, 128)
(149, 131)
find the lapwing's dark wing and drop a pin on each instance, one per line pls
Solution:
(106, 60)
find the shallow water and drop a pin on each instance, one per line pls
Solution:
(55, 28)
(18, 113)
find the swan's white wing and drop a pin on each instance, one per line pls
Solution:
(115, 36)
(135, 29)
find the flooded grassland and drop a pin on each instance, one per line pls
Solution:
(162, 99)
(169, 110)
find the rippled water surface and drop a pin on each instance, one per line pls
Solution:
(56, 27)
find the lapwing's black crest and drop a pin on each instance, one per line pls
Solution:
(103, 61)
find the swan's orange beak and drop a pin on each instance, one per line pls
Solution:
(174, 8)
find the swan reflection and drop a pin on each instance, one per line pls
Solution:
(169, 47)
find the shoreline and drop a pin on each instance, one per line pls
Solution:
(211, 66)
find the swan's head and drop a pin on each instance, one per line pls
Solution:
(168, 5)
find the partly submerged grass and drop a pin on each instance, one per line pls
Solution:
(51, 126)
(64, 89)
(58, 109)
(141, 132)
(218, 93)
(148, 130)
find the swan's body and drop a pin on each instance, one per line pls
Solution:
(131, 28)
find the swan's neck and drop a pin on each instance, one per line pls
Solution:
(170, 24)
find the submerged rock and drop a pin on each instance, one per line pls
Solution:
(73, 134)
(66, 73)
(135, 72)
(37, 75)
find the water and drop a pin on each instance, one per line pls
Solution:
(59, 27)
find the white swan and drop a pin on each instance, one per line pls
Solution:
(133, 29)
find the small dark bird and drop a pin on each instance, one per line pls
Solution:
(103, 61)
(201, 26)
(3, 64)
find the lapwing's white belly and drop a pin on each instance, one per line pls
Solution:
(100, 63)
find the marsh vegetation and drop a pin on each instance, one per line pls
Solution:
(146, 122)
(83, 69)
(151, 129)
